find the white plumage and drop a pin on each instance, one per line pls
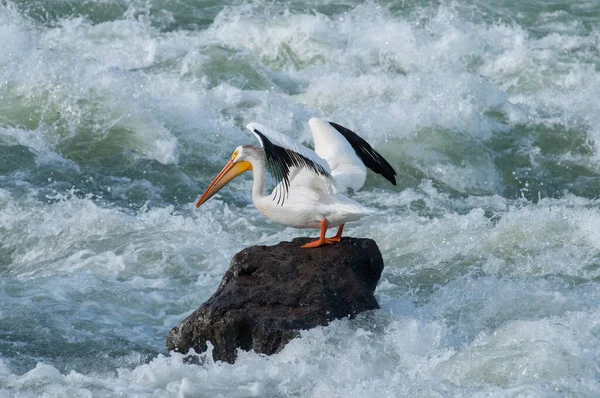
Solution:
(347, 169)
(311, 184)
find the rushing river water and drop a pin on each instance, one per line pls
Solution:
(116, 114)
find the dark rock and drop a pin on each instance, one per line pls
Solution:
(271, 292)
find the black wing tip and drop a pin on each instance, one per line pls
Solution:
(390, 178)
(369, 156)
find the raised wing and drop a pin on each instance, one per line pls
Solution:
(347, 155)
(284, 156)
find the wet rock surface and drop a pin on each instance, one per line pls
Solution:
(270, 293)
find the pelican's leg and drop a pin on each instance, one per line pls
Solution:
(321, 241)
(337, 237)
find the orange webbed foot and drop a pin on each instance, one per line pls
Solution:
(316, 243)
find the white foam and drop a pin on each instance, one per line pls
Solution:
(59, 70)
(528, 352)
(406, 356)
(369, 38)
(544, 239)
(110, 241)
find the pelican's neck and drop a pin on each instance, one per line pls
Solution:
(259, 170)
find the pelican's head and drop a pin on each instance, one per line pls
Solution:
(238, 163)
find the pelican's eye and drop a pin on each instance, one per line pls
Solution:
(235, 155)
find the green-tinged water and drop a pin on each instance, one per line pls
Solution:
(115, 116)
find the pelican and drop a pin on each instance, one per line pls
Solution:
(310, 184)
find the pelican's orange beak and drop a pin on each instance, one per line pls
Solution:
(230, 171)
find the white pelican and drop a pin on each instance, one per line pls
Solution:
(310, 188)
